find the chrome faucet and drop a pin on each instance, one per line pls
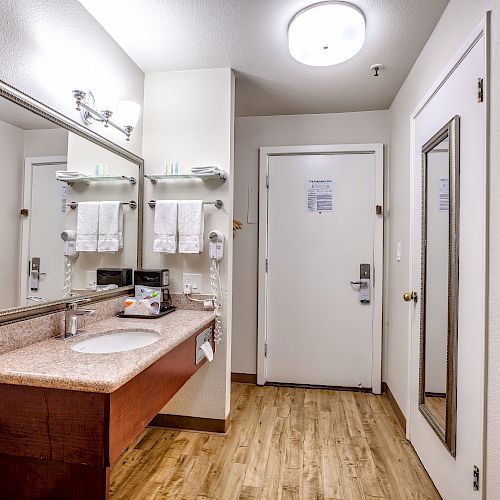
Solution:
(71, 318)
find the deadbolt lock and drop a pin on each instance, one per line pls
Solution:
(409, 296)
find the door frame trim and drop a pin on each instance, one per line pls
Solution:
(264, 154)
(29, 163)
(480, 31)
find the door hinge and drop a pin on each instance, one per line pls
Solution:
(265, 349)
(480, 90)
(267, 180)
(24, 212)
(378, 209)
(267, 265)
(475, 478)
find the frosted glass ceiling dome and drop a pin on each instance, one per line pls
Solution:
(326, 33)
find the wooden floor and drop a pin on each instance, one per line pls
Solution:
(284, 443)
(437, 406)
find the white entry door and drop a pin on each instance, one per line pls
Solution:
(457, 95)
(324, 256)
(43, 197)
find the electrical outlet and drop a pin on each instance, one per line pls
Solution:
(194, 280)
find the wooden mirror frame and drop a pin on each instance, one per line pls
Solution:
(12, 94)
(447, 435)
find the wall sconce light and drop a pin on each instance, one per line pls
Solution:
(128, 112)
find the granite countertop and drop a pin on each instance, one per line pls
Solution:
(52, 363)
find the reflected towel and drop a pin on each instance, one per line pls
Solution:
(165, 226)
(110, 213)
(191, 226)
(87, 224)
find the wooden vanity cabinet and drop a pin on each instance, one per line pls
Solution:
(60, 444)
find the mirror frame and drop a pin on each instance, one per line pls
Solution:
(16, 96)
(447, 435)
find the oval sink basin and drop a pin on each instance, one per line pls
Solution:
(115, 342)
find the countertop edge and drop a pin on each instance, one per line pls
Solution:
(101, 386)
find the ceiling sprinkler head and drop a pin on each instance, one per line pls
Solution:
(376, 68)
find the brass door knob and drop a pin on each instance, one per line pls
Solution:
(409, 296)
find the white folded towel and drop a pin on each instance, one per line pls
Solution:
(110, 213)
(191, 226)
(68, 175)
(207, 171)
(87, 224)
(165, 226)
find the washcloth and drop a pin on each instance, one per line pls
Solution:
(165, 226)
(110, 213)
(87, 224)
(191, 226)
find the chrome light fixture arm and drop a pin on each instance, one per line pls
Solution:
(84, 103)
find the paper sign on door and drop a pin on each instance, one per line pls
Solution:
(320, 195)
(444, 195)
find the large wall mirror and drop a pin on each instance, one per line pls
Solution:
(64, 190)
(439, 294)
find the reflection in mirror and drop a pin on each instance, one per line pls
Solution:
(439, 282)
(38, 190)
(436, 327)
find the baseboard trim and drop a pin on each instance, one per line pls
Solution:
(190, 423)
(395, 407)
(244, 378)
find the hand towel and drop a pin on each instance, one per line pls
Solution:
(120, 227)
(165, 226)
(109, 224)
(191, 226)
(87, 224)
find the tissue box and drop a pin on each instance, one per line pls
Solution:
(151, 296)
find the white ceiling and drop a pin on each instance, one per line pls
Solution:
(21, 117)
(250, 36)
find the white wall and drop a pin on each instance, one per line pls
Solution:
(51, 48)
(11, 170)
(457, 22)
(250, 134)
(188, 117)
(46, 142)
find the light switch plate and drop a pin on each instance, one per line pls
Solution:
(194, 280)
(398, 252)
(91, 278)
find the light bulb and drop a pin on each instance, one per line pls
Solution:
(128, 113)
(326, 33)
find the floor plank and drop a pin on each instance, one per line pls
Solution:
(283, 443)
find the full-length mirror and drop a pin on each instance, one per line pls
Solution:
(70, 208)
(438, 327)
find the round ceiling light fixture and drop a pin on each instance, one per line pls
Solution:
(326, 33)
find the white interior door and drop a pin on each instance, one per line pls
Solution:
(453, 476)
(43, 197)
(321, 226)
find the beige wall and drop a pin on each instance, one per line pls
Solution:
(188, 118)
(457, 22)
(250, 134)
(11, 170)
(83, 156)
